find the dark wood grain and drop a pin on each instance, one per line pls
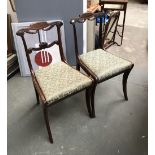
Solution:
(35, 29)
(88, 70)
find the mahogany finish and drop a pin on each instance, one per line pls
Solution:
(35, 29)
(79, 63)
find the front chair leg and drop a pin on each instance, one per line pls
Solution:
(124, 82)
(88, 91)
(47, 123)
(92, 100)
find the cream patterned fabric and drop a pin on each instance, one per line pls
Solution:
(114, 6)
(104, 64)
(59, 80)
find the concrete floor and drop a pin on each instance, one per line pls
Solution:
(120, 127)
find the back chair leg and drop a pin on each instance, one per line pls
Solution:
(123, 24)
(88, 93)
(77, 67)
(45, 111)
(37, 96)
(124, 82)
(92, 100)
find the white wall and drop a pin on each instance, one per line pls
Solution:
(10, 11)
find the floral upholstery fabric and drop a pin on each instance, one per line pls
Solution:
(114, 6)
(59, 80)
(103, 64)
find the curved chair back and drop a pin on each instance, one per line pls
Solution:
(38, 28)
(107, 30)
(81, 19)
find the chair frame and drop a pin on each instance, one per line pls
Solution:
(106, 32)
(34, 29)
(80, 64)
(120, 2)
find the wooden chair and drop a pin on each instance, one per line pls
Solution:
(109, 30)
(115, 5)
(99, 64)
(53, 82)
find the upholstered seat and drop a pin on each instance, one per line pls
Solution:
(60, 80)
(103, 64)
(113, 6)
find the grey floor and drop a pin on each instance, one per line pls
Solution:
(120, 127)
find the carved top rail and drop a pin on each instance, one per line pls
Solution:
(86, 16)
(113, 1)
(34, 28)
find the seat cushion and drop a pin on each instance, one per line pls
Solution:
(59, 80)
(104, 64)
(113, 6)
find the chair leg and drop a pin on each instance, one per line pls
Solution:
(47, 123)
(37, 96)
(124, 82)
(123, 24)
(77, 67)
(92, 100)
(88, 101)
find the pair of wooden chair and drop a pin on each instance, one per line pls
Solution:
(55, 82)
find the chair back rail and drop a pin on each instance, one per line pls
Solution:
(35, 29)
(81, 19)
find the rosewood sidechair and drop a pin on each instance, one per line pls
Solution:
(115, 5)
(108, 30)
(53, 82)
(99, 64)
